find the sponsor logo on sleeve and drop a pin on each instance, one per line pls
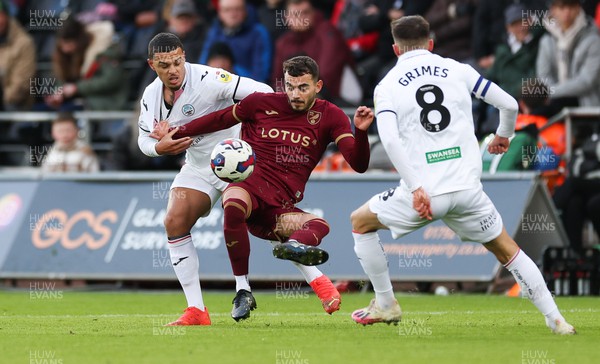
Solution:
(224, 76)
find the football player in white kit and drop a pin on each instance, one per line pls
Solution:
(423, 108)
(182, 92)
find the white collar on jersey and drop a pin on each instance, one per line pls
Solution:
(410, 54)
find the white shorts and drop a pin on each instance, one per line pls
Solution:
(469, 213)
(200, 179)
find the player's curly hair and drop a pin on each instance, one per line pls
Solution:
(301, 65)
(163, 43)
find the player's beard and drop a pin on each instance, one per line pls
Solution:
(302, 106)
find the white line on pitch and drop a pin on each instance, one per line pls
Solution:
(284, 314)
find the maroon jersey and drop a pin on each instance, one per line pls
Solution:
(288, 144)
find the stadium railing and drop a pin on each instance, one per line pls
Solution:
(572, 116)
(86, 119)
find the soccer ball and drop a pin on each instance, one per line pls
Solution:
(232, 160)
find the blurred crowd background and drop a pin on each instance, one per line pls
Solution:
(90, 55)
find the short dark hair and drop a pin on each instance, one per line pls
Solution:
(64, 116)
(220, 49)
(301, 65)
(410, 30)
(163, 43)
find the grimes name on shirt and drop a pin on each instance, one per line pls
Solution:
(423, 70)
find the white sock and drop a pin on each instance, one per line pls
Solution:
(184, 260)
(533, 286)
(310, 273)
(374, 262)
(241, 282)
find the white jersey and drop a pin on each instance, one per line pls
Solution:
(204, 90)
(430, 97)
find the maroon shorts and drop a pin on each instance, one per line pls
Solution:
(267, 205)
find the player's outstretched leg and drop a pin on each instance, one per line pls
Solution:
(184, 259)
(300, 253)
(182, 213)
(531, 281)
(302, 244)
(321, 285)
(368, 249)
(236, 205)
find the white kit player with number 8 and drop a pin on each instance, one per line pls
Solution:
(424, 119)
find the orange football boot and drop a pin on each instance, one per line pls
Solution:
(327, 293)
(192, 316)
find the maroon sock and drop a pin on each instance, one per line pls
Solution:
(236, 235)
(312, 232)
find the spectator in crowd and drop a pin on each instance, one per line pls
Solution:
(578, 198)
(361, 36)
(378, 16)
(489, 27)
(325, 7)
(271, 15)
(204, 8)
(138, 21)
(515, 58)
(514, 62)
(312, 35)
(451, 24)
(185, 23)
(569, 56)
(68, 153)
(17, 63)
(87, 64)
(250, 41)
(221, 56)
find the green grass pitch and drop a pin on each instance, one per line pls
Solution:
(127, 327)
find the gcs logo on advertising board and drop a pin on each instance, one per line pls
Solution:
(82, 228)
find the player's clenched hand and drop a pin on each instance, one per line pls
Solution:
(160, 130)
(422, 204)
(363, 117)
(499, 145)
(168, 145)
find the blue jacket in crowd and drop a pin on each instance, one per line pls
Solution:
(251, 46)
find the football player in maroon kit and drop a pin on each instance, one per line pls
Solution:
(289, 133)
